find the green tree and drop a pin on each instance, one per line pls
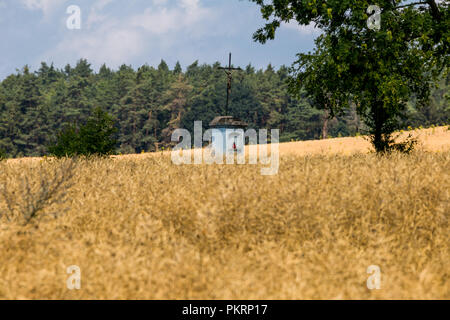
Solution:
(149, 102)
(378, 71)
(177, 70)
(3, 154)
(95, 137)
(175, 101)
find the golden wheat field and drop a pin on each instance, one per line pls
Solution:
(140, 227)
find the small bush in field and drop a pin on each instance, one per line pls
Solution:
(27, 194)
(3, 155)
(96, 137)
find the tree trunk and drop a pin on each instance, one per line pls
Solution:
(380, 137)
(325, 126)
(434, 9)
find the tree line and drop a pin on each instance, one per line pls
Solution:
(147, 104)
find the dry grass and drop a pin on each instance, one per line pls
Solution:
(140, 227)
(432, 139)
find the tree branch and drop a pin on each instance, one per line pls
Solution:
(411, 4)
(434, 9)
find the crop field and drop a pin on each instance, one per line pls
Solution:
(140, 227)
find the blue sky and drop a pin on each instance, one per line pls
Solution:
(137, 32)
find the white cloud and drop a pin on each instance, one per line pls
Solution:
(162, 29)
(107, 43)
(117, 40)
(187, 15)
(100, 4)
(95, 16)
(309, 29)
(46, 6)
(159, 2)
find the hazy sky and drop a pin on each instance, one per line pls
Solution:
(137, 32)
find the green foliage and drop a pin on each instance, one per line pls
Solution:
(406, 146)
(3, 155)
(96, 137)
(376, 71)
(148, 103)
